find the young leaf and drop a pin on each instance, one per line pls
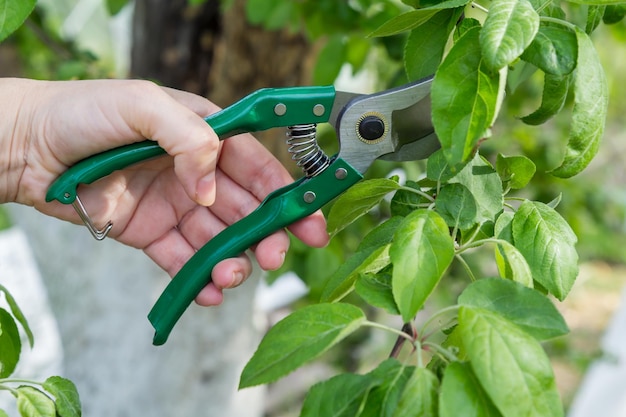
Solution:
(421, 252)
(425, 46)
(404, 201)
(589, 112)
(457, 206)
(547, 242)
(19, 316)
(527, 308)
(555, 89)
(462, 395)
(404, 22)
(340, 396)
(517, 171)
(595, 15)
(13, 14)
(375, 289)
(554, 50)
(438, 169)
(419, 397)
(613, 13)
(464, 99)
(67, 400)
(298, 338)
(33, 403)
(509, 28)
(510, 365)
(10, 344)
(512, 265)
(357, 201)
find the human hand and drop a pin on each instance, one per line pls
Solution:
(168, 207)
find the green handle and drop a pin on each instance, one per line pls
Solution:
(261, 110)
(278, 210)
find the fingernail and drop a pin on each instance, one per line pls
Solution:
(205, 190)
(238, 278)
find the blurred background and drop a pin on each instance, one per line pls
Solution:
(93, 296)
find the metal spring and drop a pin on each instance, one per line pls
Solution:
(304, 149)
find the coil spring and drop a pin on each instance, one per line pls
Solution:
(304, 149)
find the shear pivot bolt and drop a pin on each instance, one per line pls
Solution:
(309, 197)
(371, 127)
(280, 109)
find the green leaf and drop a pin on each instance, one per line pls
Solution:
(404, 201)
(457, 206)
(530, 310)
(13, 14)
(509, 28)
(371, 256)
(462, 395)
(438, 169)
(419, 397)
(547, 242)
(425, 46)
(595, 14)
(510, 365)
(555, 89)
(421, 252)
(554, 50)
(330, 60)
(10, 344)
(67, 400)
(3, 413)
(482, 180)
(590, 109)
(340, 396)
(404, 22)
(33, 403)
(464, 99)
(357, 50)
(383, 399)
(115, 6)
(517, 171)
(375, 289)
(358, 200)
(436, 4)
(512, 264)
(299, 338)
(19, 316)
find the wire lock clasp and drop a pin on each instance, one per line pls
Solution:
(98, 234)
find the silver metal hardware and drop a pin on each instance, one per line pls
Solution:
(341, 173)
(98, 234)
(309, 197)
(280, 109)
(319, 110)
(305, 151)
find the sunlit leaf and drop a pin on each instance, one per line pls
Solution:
(510, 365)
(462, 395)
(464, 99)
(33, 403)
(509, 28)
(358, 200)
(517, 170)
(299, 338)
(512, 264)
(457, 206)
(527, 308)
(404, 22)
(340, 396)
(547, 242)
(421, 252)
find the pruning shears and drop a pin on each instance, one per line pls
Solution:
(393, 125)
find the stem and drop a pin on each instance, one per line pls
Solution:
(565, 23)
(389, 329)
(436, 316)
(443, 352)
(466, 267)
(479, 7)
(7, 388)
(19, 381)
(418, 192)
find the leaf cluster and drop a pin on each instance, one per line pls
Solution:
(55, 397)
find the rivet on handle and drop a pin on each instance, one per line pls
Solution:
(98, 234)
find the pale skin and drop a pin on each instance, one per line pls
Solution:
(168, 207)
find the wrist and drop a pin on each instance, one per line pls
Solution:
(13, 137)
